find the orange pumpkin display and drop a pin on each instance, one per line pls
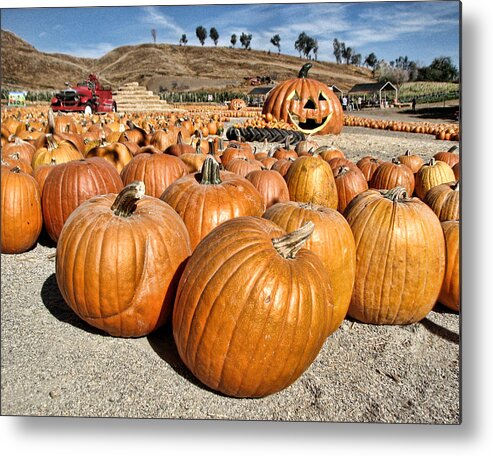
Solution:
(450, 291)
(310, 105)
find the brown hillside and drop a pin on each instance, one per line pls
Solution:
(162, 65)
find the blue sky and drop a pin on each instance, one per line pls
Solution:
(419, 30)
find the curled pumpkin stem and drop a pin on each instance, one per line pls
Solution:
(126, 201)
(288, 245)
(304, 70)
(396, 194)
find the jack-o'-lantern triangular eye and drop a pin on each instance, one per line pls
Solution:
(321, 96)
(310, 104)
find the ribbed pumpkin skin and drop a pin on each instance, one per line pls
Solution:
(310, 180)
(389, 175)
(279, 105)
(350, 182)
(270, 184)
(21, 217)
(432, 174)
(120, 274)
(246, 321)
(412, 161)
(450, 291)
(69, 184)
(332, 240)
(203, 207)
(157, 171)
(444, 201)
(62, 153)
(400, 259)
(368, 165)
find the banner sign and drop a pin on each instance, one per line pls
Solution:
(17, 98)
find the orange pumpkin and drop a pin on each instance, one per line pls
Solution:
(400, 257)
(119, 260)
(253, 308)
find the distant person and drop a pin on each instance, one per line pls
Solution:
(414, 104)
(344, 103)
(358, 105)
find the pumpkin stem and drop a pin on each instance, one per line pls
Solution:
(396, 161)
(395, 194)
(432, 162)
(51, 142)
(209, 173)
(453, 148)
(51, 121)
(317, 151)
(179, 138)
(126, 201)
(304, 70)
(288, 245)
(341, 171)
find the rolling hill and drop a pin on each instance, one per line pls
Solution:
(164, 66)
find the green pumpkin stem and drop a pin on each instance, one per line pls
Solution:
(126, 201)
(288, 245)
(395, 194)
(210, 173)
(304, 70)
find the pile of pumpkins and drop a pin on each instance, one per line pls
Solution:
(255, 254)
(441, 131)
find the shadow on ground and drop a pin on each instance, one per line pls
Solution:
(54, 302)
(163, 343)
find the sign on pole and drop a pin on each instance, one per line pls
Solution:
(17, 99)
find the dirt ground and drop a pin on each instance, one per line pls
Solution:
(53, 364)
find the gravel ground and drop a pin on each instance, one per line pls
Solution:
(53, 364)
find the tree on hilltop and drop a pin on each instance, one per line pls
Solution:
(276, 41)
(183, 40)
(201, 33)
(154, 34)
(214, 35)
(233, 39)
(245, 40)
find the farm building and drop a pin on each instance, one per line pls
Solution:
(375, 94)
(257, 96)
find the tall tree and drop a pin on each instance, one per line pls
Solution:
(276, 41)
(183, 40)
(315, 50)
(214, 35)
(245, 40)
(154, 35)
(356, 59)
(338, 50)
(347, 53)
(371, 60)
(233, 39)
(299, 44)
(441, 69)
(201, 33)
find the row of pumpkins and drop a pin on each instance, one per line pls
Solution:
(256, 255)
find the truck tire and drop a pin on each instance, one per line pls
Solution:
(114, 107)
(88, 109)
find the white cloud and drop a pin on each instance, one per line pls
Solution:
(153, 17)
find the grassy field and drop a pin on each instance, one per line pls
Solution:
(428, 92)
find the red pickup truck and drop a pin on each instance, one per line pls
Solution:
(88, 97)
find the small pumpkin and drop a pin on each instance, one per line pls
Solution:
(350, 182)
(412, 161)
(208, 198)
(21, 214)
(431, 174)
(444, 201)
(310, 180)
(270, 184)
(393, 174)
(70, 184)
(368, 165)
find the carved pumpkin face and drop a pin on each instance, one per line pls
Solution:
(308, 104)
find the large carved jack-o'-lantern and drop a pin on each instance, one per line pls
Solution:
(310, 105)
